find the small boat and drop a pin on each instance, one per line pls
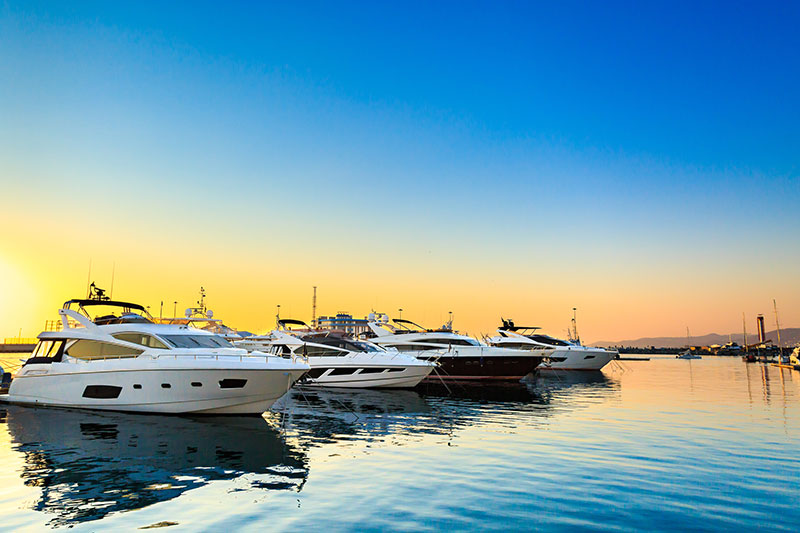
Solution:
(688, 355)
(123, 361)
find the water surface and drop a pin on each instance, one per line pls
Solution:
(662, 445)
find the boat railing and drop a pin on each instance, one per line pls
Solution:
(216, 357)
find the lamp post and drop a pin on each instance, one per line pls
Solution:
(401, 312)
(174, 308)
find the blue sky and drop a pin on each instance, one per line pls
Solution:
(622, 129)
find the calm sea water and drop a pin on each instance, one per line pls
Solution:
(662, 445)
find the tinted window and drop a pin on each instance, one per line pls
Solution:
(86, 349)
(317, 351)
(454, 342)
(47, 352)
(197, 341)
(544, 339)
(345, 344)
(229, 383)
(101, 391)
(141, 339)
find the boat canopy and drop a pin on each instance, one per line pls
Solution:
(508, 325)
(290, 321)
(126, 306)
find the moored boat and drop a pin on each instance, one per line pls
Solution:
(460, 357)
(339, 361)
(560, 354)
(124, 361)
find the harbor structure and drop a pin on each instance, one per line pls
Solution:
(343, 322)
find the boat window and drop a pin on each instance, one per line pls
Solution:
(231, 383)
(318, 351)
(197, 341)
(372, 370)
(47, 352)
(454, 342)
(88, 349)
(544, 339)
(141, 339)
(345, 344)
(366, 346)
(412, 347)
(342, 371)
(47, 348)
(518, 346)
(104, 392)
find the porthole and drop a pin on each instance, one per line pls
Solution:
(166, 386)
(196, 384)
(137, 386)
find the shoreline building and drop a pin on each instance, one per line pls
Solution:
(343, 323)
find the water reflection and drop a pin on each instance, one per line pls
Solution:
(89, 464)
(319, 416)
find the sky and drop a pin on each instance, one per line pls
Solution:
(635, 160)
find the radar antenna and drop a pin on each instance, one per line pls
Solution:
(96, 293)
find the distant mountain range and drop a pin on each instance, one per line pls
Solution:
(789, 337)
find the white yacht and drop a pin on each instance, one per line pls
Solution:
(339, 361)
(460, 357)
(125, 362)
(560, 354)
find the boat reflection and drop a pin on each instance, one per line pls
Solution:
(317, 415)
(320, 416)
(89, 464)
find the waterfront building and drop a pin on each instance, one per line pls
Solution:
(343, 323)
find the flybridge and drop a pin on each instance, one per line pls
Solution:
(508, 325)
(97, 297)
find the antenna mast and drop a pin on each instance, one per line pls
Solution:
(575, 336)
(314, 309)
(89, 279)
(113, 269)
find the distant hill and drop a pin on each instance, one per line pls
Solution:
(789, 337)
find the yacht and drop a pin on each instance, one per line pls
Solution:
(340, 361)
(560, 354)
(124, 361)
(460, 357)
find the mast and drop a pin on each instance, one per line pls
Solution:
(575, 336)
(744, 333)
(113, 269)
(89, 279)
(778, 327)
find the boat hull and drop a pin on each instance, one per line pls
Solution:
(577, 359)
(366, 377)
(497, 368)
(166, 391)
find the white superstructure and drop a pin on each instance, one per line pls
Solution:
(125, 362)
(339, 361)
(560, 354)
